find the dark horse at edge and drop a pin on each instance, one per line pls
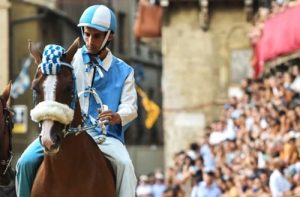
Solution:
(7, 174)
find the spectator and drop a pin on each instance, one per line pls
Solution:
(279, 185)
(206, 153)
(143, 188)
(159, 186)
(168, 192)
(173, 192)
(198, 175)
(207, 187)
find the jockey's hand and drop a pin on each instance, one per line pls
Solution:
(111, 117)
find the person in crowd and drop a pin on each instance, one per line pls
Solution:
(279, 185)
(159, 185)
(144, 187)
(207, 187)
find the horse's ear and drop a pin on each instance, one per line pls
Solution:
(34, 52)
(72, 50)
(6, 91)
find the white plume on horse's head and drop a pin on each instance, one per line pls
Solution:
(52, 110)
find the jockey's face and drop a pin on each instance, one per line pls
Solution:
(93, 39)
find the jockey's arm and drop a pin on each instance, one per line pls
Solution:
(127, 110)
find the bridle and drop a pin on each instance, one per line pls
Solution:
(77, 130)
(8, 126)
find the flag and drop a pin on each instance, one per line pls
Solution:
(152, 109)
(22, 82)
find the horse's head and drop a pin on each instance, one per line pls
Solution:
(6, 125)
(54, 94)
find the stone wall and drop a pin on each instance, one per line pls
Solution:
(4, 40)
(196, 70)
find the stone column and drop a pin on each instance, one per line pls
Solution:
(4, 40)
(189, 79)
(196, 71)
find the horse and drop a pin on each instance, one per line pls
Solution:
(7, 174)
(73, 165)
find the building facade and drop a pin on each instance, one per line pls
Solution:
(199, 45)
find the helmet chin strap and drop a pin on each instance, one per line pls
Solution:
(105, 40)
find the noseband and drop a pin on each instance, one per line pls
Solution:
(8, 126)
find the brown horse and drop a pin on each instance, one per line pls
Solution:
(73, 164)
(7, 187)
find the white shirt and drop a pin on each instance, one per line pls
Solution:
(144, 190)
(278, 184)
(216, 137)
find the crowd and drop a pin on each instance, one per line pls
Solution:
(253, 149)
(268, 9)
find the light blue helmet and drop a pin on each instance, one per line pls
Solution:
(99, 17)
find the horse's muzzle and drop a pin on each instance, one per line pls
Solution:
(51, 147)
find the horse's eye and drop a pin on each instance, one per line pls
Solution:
(35, 86)
(68, 89)
(35, 89)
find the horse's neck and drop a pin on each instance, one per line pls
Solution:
(4, 159)
(5, 142)
(4, 147)
(77, 153)
(74, 148)
(2, 128)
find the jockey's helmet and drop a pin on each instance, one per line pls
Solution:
(99, 17)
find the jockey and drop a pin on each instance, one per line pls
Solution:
(97, 70)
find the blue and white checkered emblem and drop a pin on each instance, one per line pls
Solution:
(51, 64)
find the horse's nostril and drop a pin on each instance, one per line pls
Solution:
(56, 139)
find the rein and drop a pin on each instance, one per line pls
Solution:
(8, 124)
(78, 130)
(97, 123)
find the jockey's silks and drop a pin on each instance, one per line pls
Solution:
(108, 87)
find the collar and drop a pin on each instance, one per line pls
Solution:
(211, 186)
(105, 63)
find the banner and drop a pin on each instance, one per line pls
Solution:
(280, 36)
(22, 82)
(150, 107)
